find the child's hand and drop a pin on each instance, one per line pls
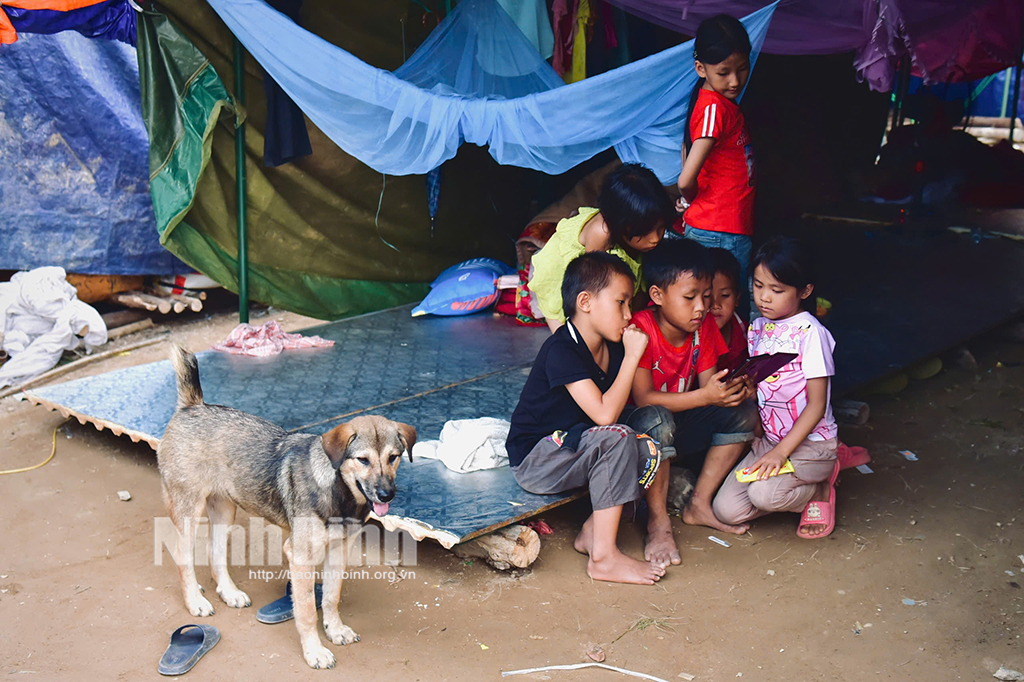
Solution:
(635, 342)
(681, 205)
(769, 464)
(749, 387)
(723, 394)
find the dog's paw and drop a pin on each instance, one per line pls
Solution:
(318, 657)
(340, 634)
(235, 598)
(200, 606)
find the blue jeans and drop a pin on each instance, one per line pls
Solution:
(691, 433)
(739, 245)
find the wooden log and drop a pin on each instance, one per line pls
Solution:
(853, 412)
(992, 122)
(997, 133)
(513, 546)
(95, 288)
(137, 299)
(126, 329)
(120, 318)
(193, 304)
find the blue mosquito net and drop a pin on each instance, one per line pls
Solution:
(478, 79)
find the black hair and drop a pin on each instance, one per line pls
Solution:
(634, 203)
(788, 260)
(724, 262)
(674, 257)
(717, 38)
(591, 272)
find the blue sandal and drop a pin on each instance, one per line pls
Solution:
(282, 610)
(188, 644)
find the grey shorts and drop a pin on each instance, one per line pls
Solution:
(609, 462)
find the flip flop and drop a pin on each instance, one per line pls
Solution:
(188, 644)
(851, 457)
(817, 513)
(282, 610)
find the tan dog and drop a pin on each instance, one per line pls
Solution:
(213, 458)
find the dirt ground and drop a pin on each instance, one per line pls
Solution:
(82, 599)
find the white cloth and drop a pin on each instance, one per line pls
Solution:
(40, 318)
(468, 445)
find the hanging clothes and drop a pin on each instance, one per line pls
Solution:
(286, 136)
(562, 15)
(579, 43)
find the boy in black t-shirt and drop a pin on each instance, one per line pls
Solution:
(564, 431)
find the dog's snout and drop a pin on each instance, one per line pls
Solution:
(385, 494)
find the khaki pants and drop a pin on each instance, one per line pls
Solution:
(813, 462)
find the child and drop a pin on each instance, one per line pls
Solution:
(632, 213)
(717, 182)
(564, 433)
(795, 410)
(683, 399)
(726, 292)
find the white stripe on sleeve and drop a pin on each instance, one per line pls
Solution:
(711, 126)
(704, 132)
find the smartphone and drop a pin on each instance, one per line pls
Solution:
(760, 367)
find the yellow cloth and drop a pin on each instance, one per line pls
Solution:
(578, 71)
(550, 262)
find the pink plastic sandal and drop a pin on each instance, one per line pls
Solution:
(851, 457)
(818, 513)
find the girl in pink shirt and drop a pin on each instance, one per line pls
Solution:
(794, 402)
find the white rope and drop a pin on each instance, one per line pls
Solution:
(579, 666)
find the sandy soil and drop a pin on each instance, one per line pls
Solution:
(82, 599)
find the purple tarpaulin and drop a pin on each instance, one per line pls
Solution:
(947, 40)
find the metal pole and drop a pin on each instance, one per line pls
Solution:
(1016, 93)
(1013, 110)
(904, 88)
(240, 204)
(1006, 92)
(897, 97)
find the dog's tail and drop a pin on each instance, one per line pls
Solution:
(186, 368)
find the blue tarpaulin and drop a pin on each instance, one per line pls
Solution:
(74, 166)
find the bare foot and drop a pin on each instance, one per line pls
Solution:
(821, 494)
(697, 514)
(661, 546)
(619, 568)
(585, 540)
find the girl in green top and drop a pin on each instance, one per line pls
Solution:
(632, 213)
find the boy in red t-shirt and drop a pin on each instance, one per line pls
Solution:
(683, 401)
(725, 296)
(717, 184)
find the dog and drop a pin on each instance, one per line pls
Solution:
(214, 457)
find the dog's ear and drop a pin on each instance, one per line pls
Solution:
(407, 434)
(336, 442)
